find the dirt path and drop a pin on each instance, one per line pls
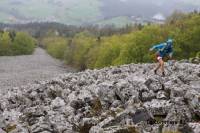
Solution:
(21, 70)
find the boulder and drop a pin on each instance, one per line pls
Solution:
(193, 100)
(178, 117)
(158, 107)
(195, 127)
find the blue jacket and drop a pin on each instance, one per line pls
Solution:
(164, 49)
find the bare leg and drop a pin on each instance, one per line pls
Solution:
(161, 62)
(158, 67)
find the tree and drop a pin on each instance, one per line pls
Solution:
(81, 45)
(5, 44)
(56, 46)
(23, 44)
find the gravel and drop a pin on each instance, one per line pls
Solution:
(21, 70)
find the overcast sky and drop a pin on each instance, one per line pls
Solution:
(147, 7)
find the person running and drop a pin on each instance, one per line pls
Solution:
(163, 50)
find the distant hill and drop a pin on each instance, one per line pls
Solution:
(77, 12)
(64, 11)
(116, 21)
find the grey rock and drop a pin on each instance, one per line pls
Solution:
(116, 103)
(119, 129)
(178, 117)
(96, 129)
(158, 107)
(195, 127)
(178, 91)
(195, 60)
(148, 96)
(154, 84)
(77, 104)
(162, 95)
(57, 103)
(105, 91)
(193, 99)
(108, 100)
(2, 131)
(195, 85)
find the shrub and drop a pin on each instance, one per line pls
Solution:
(77, 52)
(198, 55)
(55, 46)
(5, 44)
(23, 44)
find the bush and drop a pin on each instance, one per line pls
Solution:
(198, 55)
(109, 50)
(5, 44)
(16, 44)
(55, 46)
(23, 44)
(78, 49)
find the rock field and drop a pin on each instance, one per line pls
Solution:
(124, 99)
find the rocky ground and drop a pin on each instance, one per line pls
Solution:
(21, 70)
(125, 99)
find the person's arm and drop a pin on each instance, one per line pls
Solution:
(157, 47)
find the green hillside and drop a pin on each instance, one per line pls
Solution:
(64, 11)
(76, 12)
(117, 21)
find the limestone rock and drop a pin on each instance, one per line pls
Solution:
(128, 98)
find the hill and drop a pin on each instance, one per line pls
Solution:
(119, 22)
(87, 11)
(70, 12)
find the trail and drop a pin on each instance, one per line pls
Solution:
(22, 70)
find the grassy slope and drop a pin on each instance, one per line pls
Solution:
(67, 12)
(117, 21)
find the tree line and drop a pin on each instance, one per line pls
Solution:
(88, 50)
(41, 29)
